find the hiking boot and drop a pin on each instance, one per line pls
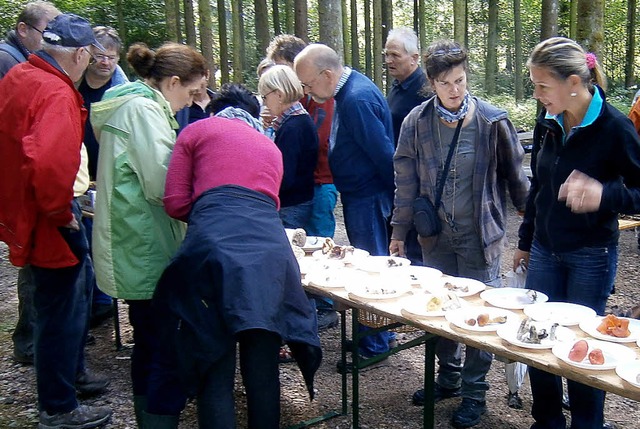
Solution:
(91, 384)
(327, 319)
(514, 401)
(439, 393)
(469, 413)
(83, 417)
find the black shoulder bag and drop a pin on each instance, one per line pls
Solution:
(425, 213)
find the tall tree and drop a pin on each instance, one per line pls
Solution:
(367, 38)
(262, 27)
(377, 42)
(573, 18)
(224, 42)
(387, 25)
(422, 32)
(238, 41)
(629, 78)
(355, 43)
(459, 27)
(302, 20)
(517, 33)
(275, 7)
(549, 19)
(330, 15)
(590, 25)
(171, 19)
(346, 40)
(189, 22)
(290, 16)
(206, 38)
(176, 6)
(491, 63)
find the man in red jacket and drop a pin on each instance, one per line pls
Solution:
(40, 138)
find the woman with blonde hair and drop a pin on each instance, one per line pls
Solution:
(586, 169)
(133, 237)
(297, 139)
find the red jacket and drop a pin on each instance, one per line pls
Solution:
(41, 131)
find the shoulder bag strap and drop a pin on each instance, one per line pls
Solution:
(452, 146)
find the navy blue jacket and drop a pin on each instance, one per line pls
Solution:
(404, 96)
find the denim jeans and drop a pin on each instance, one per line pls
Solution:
(461, 254)
(322, 222)
(584, 276)
(23, 333)
(365, 220)
(62, 300)
(296, 216)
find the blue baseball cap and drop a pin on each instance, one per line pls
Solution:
(71, 31)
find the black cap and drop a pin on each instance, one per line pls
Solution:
(71, 31)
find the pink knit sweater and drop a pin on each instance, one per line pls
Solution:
(217, 151)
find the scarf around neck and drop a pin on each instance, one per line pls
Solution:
(450, 117)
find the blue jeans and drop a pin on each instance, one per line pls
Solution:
(461, 254)
(365, 219)
(584, 276)
(296, 216)
(322, 222)
(62, 301)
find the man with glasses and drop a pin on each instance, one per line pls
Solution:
(25, 38)
(40, 167)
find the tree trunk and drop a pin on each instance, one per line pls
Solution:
(387, 25)
(330, 17)
(459, 11)
(346, 41)
(238, 41)
(416, 17)
(206, 38)
(590, 25)
(289, 10)
(629, 78)
(262, 27)
(573, 18)
(377, 43)
(189, 22)
(176, 6)
(549, 19)
(491, 63)
(367, 38)
(517, 26)
(171, 20)
(355, 44)
(423, 29)
(301, 20)
(275, 6)
(224, 42)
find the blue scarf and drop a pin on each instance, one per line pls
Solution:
(450, 117)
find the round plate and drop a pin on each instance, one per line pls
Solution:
(564, 313)
(425, 277)
(614, 354)
(509, 334)
(350, 258)
(417, 307)
(332, 278)
(590, 327)
(377, 288)
(460, 316)
(629, 372)
(511, 298)
(377, 264)
(313, 243)
(463, 286)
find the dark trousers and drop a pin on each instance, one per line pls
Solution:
(144, 337)
(62, 300)
(23, 333)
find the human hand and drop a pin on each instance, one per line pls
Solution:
(396, 247)
(73, 225)
(518, 256)
(582, 193)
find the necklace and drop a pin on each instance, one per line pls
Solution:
(449, 217)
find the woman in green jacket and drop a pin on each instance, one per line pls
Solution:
(133, 237)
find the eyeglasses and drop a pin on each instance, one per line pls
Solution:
(92, 59)
(308, 85)
(264, 97)
(448, 51)
(105, 58)
(35, 28)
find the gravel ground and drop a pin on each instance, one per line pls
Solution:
(385, 390)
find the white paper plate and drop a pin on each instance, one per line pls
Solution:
(425, 277)
(563, 313)
(629, 371)
(511, 298)
(313, 243)
(370, 288)
(463, 286)
(460, 316)
(377, 264)
(417, 307)
(350, 258)
(509, 332)
(590, 327)
(614, 354)
(333, 278)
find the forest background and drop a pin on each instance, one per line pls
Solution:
(499, 34)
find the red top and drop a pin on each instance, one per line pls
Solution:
(218, 151)
(322, 115)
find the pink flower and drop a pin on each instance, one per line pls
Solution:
(591, 59)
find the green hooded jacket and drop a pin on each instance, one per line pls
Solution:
(133, 237)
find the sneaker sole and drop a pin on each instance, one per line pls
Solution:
(87, 425)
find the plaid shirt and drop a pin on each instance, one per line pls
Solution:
(296, 109)
(498, 167)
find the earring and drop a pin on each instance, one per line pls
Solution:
(573, 94)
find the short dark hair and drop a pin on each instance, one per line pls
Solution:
(36, 11)
(443, 55)
(108, 37)
(285, 46)
(235, 95)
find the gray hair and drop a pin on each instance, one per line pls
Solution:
(36, 12)
(52, 49)
(407, 37)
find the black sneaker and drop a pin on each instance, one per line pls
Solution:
(327, 319)
(439, 393)
(514, 401)
(90, 384)
(83, 417)
(469, 413)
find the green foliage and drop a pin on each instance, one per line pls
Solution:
(522, 115)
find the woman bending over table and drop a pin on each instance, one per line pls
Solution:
(586, 169)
